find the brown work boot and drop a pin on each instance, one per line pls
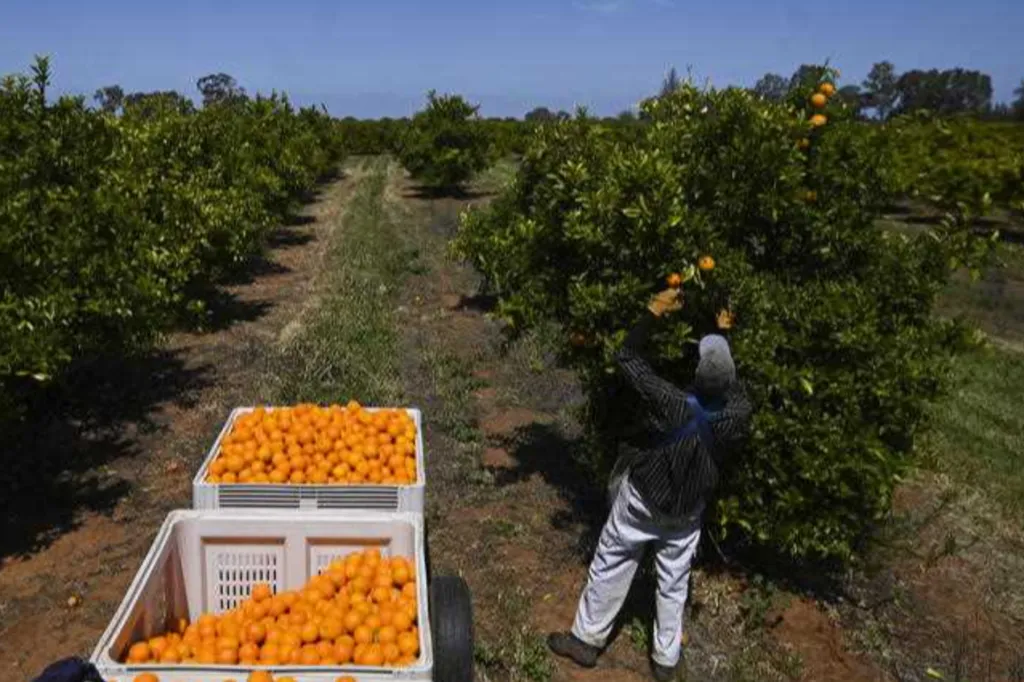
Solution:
(569, 646)
(664, 673)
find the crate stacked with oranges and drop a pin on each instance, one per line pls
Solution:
(362, 610)
(309, 444)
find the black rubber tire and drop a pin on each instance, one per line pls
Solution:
(451, 624)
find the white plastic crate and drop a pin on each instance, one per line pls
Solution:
(207, 561)
(378, 497)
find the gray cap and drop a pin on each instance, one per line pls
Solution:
(716, 370)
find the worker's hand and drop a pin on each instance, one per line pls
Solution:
(667, 301)
(725, 318)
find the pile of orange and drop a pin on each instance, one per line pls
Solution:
(257, 676)
(308, 444)
(362, 610)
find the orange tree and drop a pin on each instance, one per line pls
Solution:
(112, 227)
(833, 331)
(960, 165)
(446, 144)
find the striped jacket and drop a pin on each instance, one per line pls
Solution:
(675, 479)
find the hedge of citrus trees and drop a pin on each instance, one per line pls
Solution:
(832, 326)
(960, 165)
(446, 144)
(112, 227)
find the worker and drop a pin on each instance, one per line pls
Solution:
(72, 669)
(660, 490)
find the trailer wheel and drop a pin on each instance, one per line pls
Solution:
(451, 624)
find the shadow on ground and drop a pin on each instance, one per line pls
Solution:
(458, 193)
(57, 459)
(542, 449)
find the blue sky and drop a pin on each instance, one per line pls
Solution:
(379, 57)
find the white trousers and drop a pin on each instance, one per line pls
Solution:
(628, 530)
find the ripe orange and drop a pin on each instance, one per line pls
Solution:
(401, 621)
(373, 656)
(259, 676)
(819, 120)
(818, 100)
(249, 652)
(343, 651)
(146, 677)
(387, 634)
(309, 656)
(706, 263)
(261, 592)
(309, 633)
(270, 654)
(352, 620)
(408, 644)
(391, 653)
(827, 89)
(674, 281)
(363, 635)
(139, 652)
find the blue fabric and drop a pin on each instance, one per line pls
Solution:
(70, 670)
(698, 424)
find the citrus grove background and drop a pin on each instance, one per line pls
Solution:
(837, 218)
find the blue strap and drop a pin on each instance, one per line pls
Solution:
(698, 424)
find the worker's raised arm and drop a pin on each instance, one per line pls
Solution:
(662, 396)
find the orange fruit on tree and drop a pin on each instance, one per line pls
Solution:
(819, 120)
(674, 281)
(818, 100)
(827, 89)
(706, 263)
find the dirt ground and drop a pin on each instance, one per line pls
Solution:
(509, 507)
